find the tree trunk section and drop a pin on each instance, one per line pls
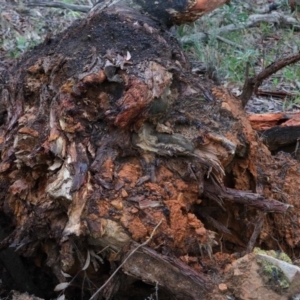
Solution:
(105, 133)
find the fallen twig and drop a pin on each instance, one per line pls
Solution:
(226, 41)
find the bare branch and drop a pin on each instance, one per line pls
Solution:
(215, 192)
(253, 83)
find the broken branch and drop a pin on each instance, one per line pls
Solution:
(253, 83)
(215, 192)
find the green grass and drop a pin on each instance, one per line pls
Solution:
(262, 45)
(28, 27)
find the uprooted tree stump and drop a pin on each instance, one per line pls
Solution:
(108, 141)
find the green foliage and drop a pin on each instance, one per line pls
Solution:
(23, 44)
(233, 15)
(237, 62)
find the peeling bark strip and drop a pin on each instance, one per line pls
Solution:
(105, 133)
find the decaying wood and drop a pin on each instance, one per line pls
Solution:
(279, 136)
(105, 133)
(168, 12)
(267, 121)
(129, 255)
(178, 278)
(244, 197)
(277, 130)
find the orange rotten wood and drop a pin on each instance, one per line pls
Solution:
(266, 121)
(172, 11)
(278, 130)
(196, 8)
(208, 5)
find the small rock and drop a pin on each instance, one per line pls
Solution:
(134, 210)
(124, 193)
(222, 287)
(226, 106)
(117, 204)
(290, 271)
(237, 272)
(296, 297)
